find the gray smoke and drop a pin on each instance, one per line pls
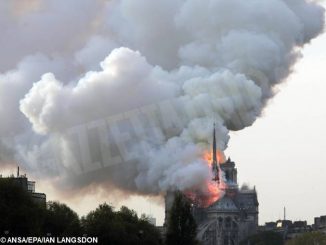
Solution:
(125, 93)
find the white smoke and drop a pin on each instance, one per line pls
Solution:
(181, 65)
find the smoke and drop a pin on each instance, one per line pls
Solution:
(125, 93)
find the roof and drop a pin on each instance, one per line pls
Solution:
(225, 204)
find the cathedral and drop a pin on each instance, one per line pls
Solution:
(233, 217)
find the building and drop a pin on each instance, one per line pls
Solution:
(233, 217)
(288, 229)
(27, 185)
(320, 224)
(152, 220)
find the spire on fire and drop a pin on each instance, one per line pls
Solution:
(215, 163)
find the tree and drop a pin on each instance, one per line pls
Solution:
(264, 238)
(19, 215)
(181, 227)
(99, 223)
(60, 220)
(119, 228)
(310, 238)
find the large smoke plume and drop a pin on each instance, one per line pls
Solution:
(160, 71)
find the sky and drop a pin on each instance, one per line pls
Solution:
(281, 154)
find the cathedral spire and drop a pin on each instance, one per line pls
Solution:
(215, 168)
(214, 146)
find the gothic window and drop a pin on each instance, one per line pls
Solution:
(227, 175)
(220, 222)
(234, 225)
(228, 222)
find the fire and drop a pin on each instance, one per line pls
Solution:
(208, 157)
(212, 191)
(206, 197)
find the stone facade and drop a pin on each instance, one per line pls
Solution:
(229, 220)
(232, 218)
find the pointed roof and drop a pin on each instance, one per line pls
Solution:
(226, 204)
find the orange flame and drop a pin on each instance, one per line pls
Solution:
(212, 191)
(208, 157)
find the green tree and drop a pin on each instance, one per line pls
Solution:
(119, 228)
(19, 215)
(311, 238)
(264, 238)
(99, 223)
(181, 227)
(60, 220)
